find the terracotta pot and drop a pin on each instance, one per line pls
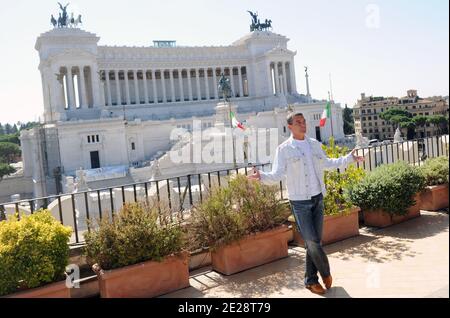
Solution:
(52, 290)
(380, 218)
(335, 228)
(251, 251)
(435, 198)
(146, 279)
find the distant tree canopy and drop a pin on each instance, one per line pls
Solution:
(14, 138)
(8, 129)
(6, 169)
(349, 126)
(8, 151)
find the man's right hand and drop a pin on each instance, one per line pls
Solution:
(255, 176)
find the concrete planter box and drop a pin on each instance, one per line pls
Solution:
(251, 251)
(380, 218)
(146, 279)
(435, 198)
(335, 228)
(52, 290)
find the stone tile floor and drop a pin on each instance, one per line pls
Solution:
(405, 260)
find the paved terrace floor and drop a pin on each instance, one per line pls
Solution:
(405, 260)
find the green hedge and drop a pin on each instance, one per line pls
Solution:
(435, 171)
(33, 251)
(389, 187)
(138, 233)
(230, 213)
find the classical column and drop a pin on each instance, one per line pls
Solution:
(163, 80)
(277, 79)
(189, 84)
(241, 88)
(269, 70)
(172, 86)
(96, 88)
(208, 96)
(136, 88)
(180, 84)
(118, 92)
(81, 81)
(155, 93)
(197, 79)
(232, 82)
(127, 87)
(285, 78)
(108, 87)
(216, 93)
(70, 88)
(144, 79)
(293, 83)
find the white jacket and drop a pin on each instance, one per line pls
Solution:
(289, 161)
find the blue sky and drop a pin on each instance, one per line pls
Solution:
(378, 47)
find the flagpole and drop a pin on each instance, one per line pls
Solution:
(232, 134)
(331, 116)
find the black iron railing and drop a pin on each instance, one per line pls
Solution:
(182, 192)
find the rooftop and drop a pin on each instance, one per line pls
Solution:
(392, 262)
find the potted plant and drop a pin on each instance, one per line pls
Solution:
(34, 253)
(388, 195)
(139, 253)
(242, 225)
(435, 195)
(340, 215)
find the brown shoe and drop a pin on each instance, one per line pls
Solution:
(327, 281)
(316, 289)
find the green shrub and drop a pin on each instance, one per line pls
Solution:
(139, 232)
(435, 171)
(335, 202)
(389, 187)
(230, 213)
(33, 251)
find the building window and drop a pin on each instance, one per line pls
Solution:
(93, 139)
(363, 111)
(365, 131)
(133, 146)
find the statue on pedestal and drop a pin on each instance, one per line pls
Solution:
(361, 142)
(398, 136)
(224, 87)
(81, 184)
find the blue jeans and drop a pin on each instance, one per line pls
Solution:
(309, 218)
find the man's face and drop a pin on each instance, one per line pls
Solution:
(298, 125)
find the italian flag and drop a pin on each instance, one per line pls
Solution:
(326, 114)
(235, 122)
